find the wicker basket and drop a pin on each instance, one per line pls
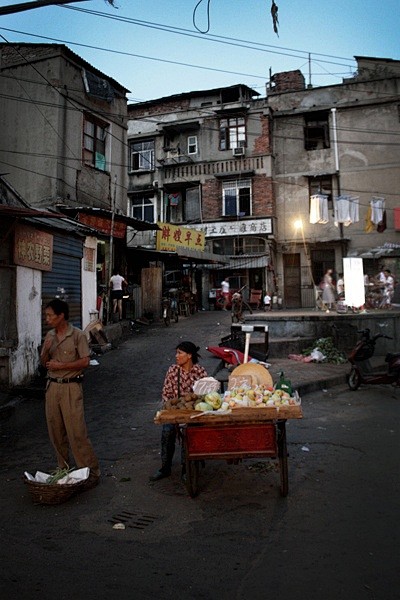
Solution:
(45, 493)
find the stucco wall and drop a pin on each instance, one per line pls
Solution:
(89, 290)
(24, 359)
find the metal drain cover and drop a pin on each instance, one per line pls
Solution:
(134, 520)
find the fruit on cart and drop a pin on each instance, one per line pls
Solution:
(214, 399)
(203, 407)
(259, 396)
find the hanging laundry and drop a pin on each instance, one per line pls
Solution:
(354, 209)
(174, 199)
(319, 209)
(377, 208)
(382, 224)
(346, 210)
(369, 226)
(341, 210)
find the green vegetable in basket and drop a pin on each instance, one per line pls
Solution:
(58, 474)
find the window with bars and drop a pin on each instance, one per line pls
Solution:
(141, 155)
(94, 143)
(232, 133)
(316, 131)
(236, 198)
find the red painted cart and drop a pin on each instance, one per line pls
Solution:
(243, 433)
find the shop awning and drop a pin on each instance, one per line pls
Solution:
(244, 261)
(101, 219)
(22, 212)
(184, 255)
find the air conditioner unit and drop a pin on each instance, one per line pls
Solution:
(239, 151)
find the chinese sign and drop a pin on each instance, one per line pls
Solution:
(225, 228)
(33, 248)
(103, 225)
(171, 236)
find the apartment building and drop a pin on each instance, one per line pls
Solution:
(336, 170)
(254, 173)
(202, 160)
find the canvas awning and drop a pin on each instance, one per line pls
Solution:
(244, 261)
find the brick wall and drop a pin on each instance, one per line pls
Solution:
(262, 144)
(289, 81)
(211, 199)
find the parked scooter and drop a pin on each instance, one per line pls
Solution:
(170, 307)
(361, 369)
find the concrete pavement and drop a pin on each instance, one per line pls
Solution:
(207, 328)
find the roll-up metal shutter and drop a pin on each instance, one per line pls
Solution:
(65, 275)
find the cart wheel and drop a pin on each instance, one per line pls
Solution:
(192, 477)
(283, 464)
(354, 380)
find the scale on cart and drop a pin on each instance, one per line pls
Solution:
(241, 334)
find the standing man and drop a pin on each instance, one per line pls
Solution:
(116, 283)
(65, 354)
(225, 292)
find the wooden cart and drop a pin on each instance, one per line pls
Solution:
(243, 433)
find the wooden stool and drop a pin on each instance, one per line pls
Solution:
(184, 309)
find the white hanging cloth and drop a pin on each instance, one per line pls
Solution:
(346, 210)
(377, 208)
(319, 209)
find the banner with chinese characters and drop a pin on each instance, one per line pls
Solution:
(241, 227)
(169, 237)
(33, 248)
(103, 224)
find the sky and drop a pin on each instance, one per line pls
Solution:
(157, 48)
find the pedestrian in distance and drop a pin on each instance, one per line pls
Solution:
(389, 288)
(340, 287)
(267, 301)
(179, 380)
(65, 354)
(225, 293)
(328, 295)
(116, 286)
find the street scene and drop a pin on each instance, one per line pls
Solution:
(200, 300)
(335, 535)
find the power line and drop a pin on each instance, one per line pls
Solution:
(230, 41)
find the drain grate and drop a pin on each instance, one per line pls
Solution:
(135, 520)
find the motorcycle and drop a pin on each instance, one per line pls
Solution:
(170, 309)
(361, 369)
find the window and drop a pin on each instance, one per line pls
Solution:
(232, 133)
(316, 131)
(321, 185)
(142, 208)
(142, 155)
(192, 144)
(236, 198)
(183, 205)
(94, 143)
(239, 245)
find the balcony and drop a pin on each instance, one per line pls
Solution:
(174, 157)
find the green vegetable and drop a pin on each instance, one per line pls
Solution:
(328, 349)
(58, 474)
(214, 400)
(203, 407)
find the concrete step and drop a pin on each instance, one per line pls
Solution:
(282, 347)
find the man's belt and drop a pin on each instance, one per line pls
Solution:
(61, 380)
